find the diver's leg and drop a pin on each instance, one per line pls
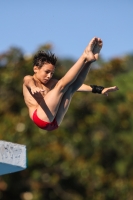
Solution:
(65, 102)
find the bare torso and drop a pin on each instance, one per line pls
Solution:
(32, 101)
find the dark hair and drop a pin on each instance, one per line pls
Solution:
(43, 57)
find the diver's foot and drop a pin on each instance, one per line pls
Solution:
(97, 48)
(88, 52)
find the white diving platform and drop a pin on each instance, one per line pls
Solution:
(12, 157)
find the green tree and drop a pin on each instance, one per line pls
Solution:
(90, 156)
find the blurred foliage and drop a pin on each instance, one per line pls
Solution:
(90, 156)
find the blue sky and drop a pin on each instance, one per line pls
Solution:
(68, 25)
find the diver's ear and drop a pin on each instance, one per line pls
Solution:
(35, 69)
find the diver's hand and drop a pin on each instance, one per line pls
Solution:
(35, 89)
(109, 89)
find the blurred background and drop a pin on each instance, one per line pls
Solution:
(90, 157)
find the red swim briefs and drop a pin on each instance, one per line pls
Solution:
(49, 126)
